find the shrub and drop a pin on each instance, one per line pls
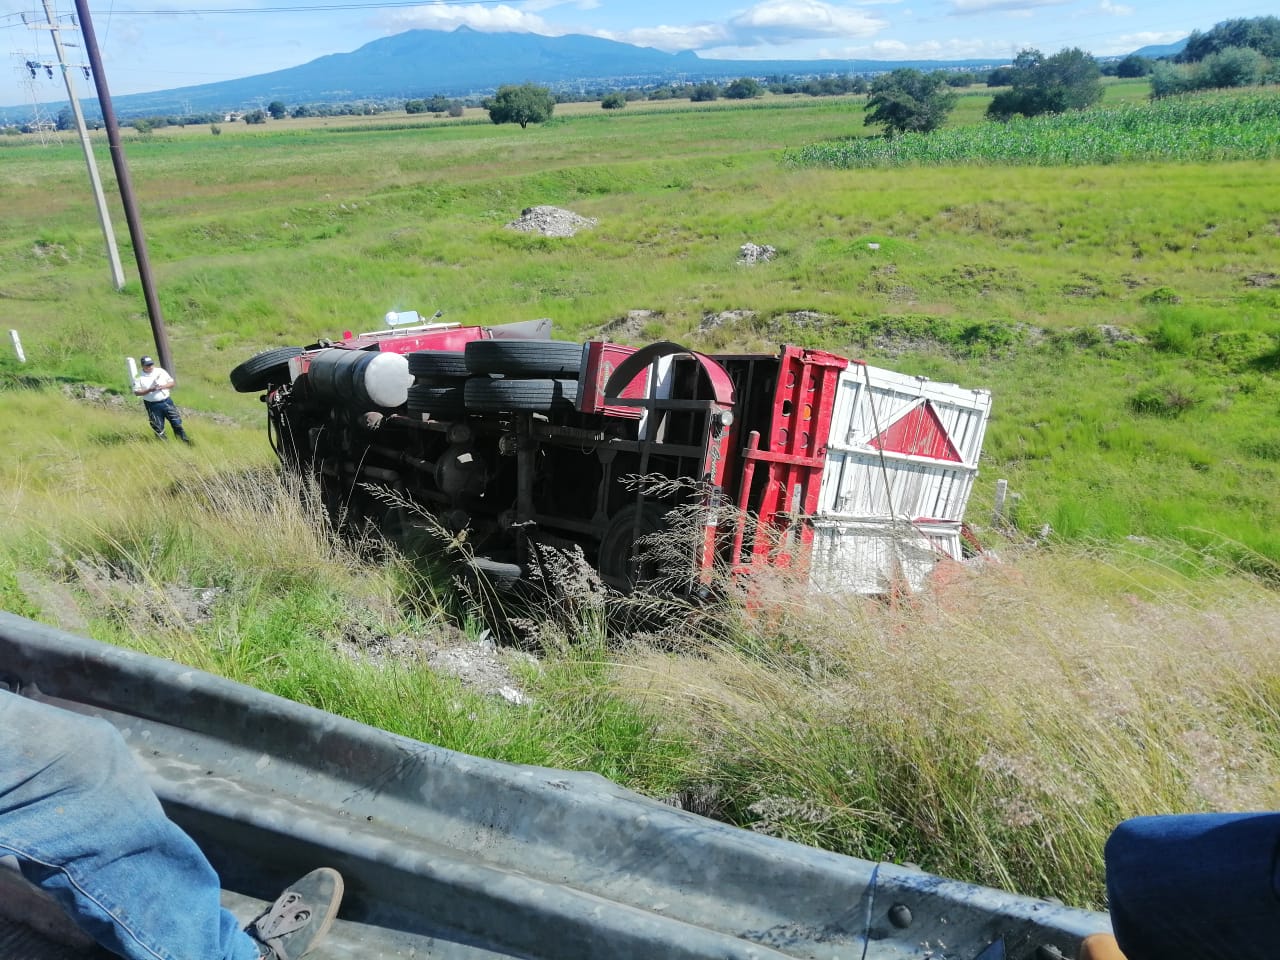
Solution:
(1167, 399)
(613, 101)
(1161, 295)
(1232, 67)
(744, 88)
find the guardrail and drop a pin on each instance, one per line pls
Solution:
(448, 855)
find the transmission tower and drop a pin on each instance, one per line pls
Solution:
(30, 67)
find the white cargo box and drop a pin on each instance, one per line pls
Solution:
(901, 460)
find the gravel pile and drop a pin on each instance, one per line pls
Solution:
(551, 221)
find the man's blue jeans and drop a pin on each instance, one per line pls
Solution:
(76, 811)
(1201, 886)
(158, 411)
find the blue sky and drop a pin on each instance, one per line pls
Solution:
(162, 44)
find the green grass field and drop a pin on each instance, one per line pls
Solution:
(1126, 316)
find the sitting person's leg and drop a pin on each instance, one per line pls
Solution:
(1198, 886)
(76, 811)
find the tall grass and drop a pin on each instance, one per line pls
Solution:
(1183, 129)
(993, 730)
(996, 729)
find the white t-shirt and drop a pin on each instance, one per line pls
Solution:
(148, 381)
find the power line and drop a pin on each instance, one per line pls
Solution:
(302, 8)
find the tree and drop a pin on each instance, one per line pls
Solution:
(744, 88)
(1134, 65)
(1000, 77)
(277, 109)
(1069, 80)
(66, 119)
(614, 101)
(908, 101)
(1258, 33)
(255, 116)
(704, 92)
(415, 106)
(524, 104)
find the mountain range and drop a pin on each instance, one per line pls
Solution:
(467, 63)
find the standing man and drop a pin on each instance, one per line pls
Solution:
(153, 386)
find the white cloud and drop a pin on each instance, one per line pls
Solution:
(537, 6)
(954, 49)
(1115, 9)
(697, 36)
(777, 21)
(770, 24)
(448, 16)
(1150, 38)
(966, 7)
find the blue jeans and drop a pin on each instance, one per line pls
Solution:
(76, 811)
(1202, 885)
(158, 411)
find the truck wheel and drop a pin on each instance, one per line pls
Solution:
(264, 369)
(525, 358)
(504, 578)
(437, 364)
(505, 396)
(442, 403)
(622, 561)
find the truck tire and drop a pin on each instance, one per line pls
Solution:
(504, 578)
(263, 369)
(440, 402)
(525, 358)
(438, 364)
(617, 561)
(507, 396)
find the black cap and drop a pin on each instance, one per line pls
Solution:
(147, 361)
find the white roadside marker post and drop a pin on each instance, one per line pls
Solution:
(17, 346)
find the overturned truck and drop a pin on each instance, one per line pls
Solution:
(853, 477)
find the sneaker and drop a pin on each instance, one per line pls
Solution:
(300, 918)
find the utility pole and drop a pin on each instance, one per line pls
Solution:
(104, 216)
(125, 184)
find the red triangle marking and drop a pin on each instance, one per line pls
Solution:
(918, 434)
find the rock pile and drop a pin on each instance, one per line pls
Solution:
(550, 221)
(755, 253)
